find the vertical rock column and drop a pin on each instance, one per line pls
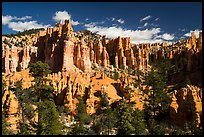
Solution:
(6, 59)
(105, 57)
(48, 47)
(120, 58)
(199, 47)
(26, 57)
(77, 56)
(14, 58)
(86, 63)
(193, 40)
(99, 51)
(68, 54)
(116, 60)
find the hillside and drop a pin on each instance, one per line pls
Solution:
(98, 80)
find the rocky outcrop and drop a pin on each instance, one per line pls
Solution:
(60, 48)
(69, 85)
(29, 56)
(193, 53)
(123, 54)
(10, 104)
(17, 58)
(90, 106)
(186, 105)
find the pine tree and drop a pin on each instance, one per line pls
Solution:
(39, 70)
(82, 118)
(158, 99)
(106, 119)
(124, 125)
(49, 122)
(23, 129)
(82, 115)
(138, 123)
(97, 125)
(4, 124)
(79, 129)
(109, 119)
(25, 107)
(48, 116)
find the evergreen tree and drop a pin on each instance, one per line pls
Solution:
(4, 124)
(106, 119)
(158, 99)
(48, 116)
(97, 125)
(82, 115)
(138, 122)
(124, 123)
(109, 120)
(104, 102)
(27, 111)
(82, 119)
(39, 70)
(23, 129)
(79, 129)
(49, 123)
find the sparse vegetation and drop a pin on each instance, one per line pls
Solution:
(23, 33)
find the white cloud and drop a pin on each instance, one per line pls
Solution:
(61, 15)
(145, 18)
(195, 31)
(156, 19)
(121, 21)
(145, 24)
(89, 24)
(21, 26)
(137, 36)
(111, 18)
(74, 23)
(7, 19)
(16, 24)
(114, 24)
(23, 18)
(155, 25)
(93, 24)
(167, 36)
(182, 29)
(64, 15)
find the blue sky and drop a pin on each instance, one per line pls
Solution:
(142, 21)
